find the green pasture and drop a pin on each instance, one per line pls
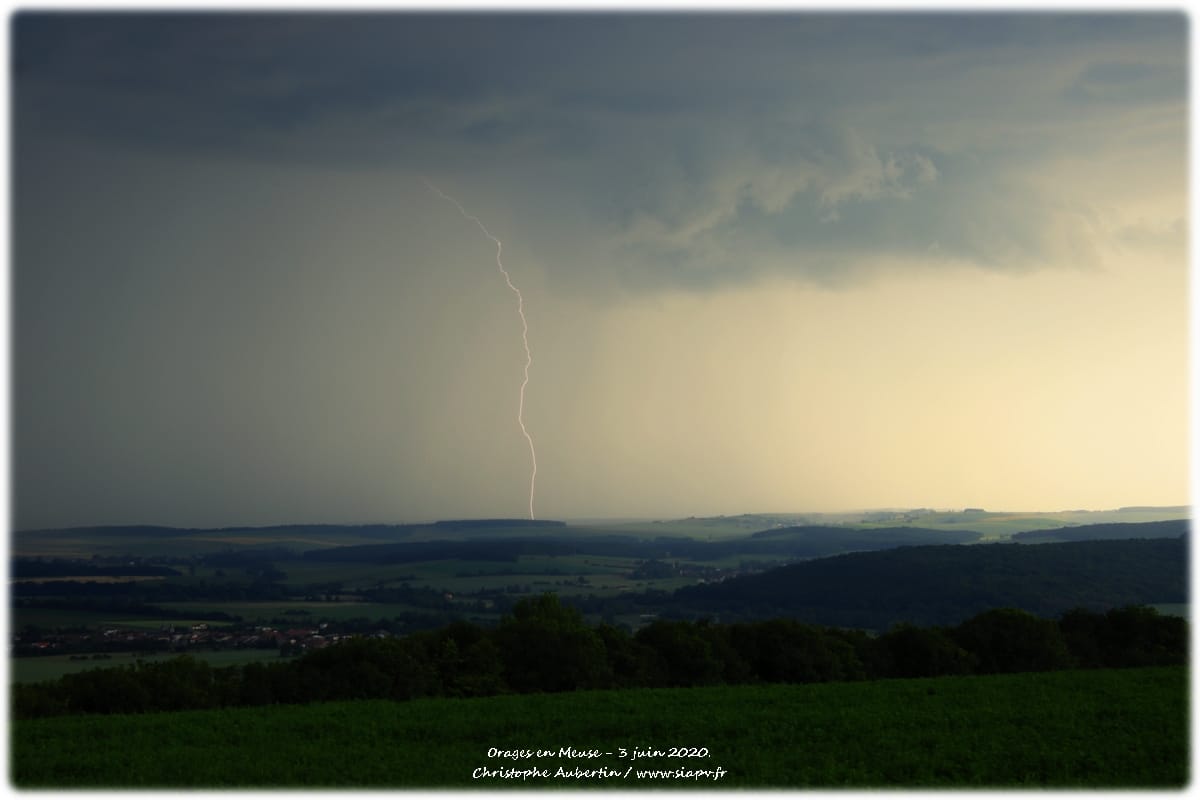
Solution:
(76, 544)
(55, 618)
(702, 528)
(566, 585)
(151, 624)
(463, 576)
(1104, 729)
(263, 612)
(604, 574)
(619, 585)
(45, 668)
(52, 618)
(352, 575)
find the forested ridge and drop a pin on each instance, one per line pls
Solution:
(1171, 528)
(937, 585)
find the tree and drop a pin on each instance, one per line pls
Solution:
(255, 686)
(1081, 630)
(177, 684)
(1138, 636)
(467, 661)
(629, 661)
(787, 651)
(911, 652)
(105, 691)
(735, 668)
(547, 647)
(683, 656)
(1010, 640)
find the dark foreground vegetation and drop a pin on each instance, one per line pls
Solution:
(547, 647)
(1096, 729)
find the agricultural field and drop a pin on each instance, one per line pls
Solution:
(301, 612)
(46, 668)
(575, 574)
(1077, 729)
(58, 618)
(84, 543)
(51, 618)
(704, 528)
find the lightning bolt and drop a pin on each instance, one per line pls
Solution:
(524, 331)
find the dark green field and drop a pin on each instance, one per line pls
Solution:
(47, 668)
(1094, 729)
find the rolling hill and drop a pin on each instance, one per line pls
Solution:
(937, 585)
(1167, 529)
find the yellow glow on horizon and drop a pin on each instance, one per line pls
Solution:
(1049, 390)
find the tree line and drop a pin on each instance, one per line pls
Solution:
(544, 646)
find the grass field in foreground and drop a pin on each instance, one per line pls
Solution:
(1094, 729)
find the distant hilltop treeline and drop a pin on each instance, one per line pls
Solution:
(1180, 509)
(1107, 531)
(467, 524)
(367, 529)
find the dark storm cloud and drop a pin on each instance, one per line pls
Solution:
(276, 71)
(676, 136)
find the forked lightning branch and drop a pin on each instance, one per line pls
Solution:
(524, 333)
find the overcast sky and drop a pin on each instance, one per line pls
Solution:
(768, 263)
